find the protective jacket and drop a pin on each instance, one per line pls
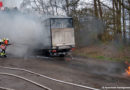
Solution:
(3, 47)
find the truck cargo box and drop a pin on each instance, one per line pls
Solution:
(60, 33)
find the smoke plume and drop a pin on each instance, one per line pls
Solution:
(25, 32)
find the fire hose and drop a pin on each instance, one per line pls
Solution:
(42, 86)
(56, 80)
(6, 88)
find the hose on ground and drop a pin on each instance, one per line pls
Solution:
(6, 88)
(44, 76)
(35, 83)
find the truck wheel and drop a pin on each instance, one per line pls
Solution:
(62, 55)
(47, 54)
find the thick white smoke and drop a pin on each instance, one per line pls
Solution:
(25, 32)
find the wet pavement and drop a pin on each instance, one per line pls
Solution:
(87, 72)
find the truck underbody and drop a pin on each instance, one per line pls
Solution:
(54, 52)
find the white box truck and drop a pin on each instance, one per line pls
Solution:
(60, 38)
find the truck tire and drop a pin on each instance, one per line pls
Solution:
(61, 55)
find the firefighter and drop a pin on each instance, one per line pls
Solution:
(3, 48)
(3, 44)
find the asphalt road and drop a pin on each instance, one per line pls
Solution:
(90, 73)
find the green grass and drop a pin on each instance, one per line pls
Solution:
(100, 57)
(120, 56)
(108, 58)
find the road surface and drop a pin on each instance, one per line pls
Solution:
(78, 74)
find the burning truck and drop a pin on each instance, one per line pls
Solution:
(60, 38)
(54, 36)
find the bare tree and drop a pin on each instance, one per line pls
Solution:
(100, 8)
(124, 23)
(95, 8)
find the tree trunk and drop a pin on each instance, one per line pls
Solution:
(95, 8)
(118, 16)
(129, 27)
(67, 7)
(114, 18)
(56, 7)
(100, 9)
(124, 24)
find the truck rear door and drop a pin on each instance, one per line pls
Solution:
(62, 33)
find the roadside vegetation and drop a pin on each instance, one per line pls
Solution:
(105, 52)
(113, 42)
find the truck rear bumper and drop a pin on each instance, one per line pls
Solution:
(60, 52)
